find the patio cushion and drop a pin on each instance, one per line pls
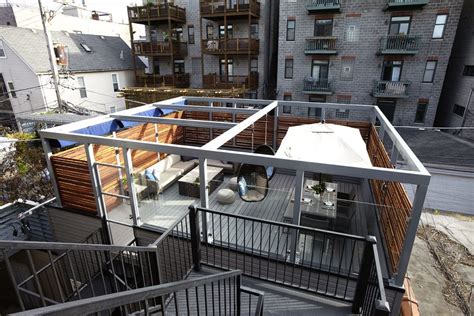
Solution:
(225, 196)
(149, 175)
(233, 184)
(242, 186)
(184, 166)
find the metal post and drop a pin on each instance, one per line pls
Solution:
(364, 275)
(195, 238)
(204, 194)
(132, 193)
(47, 154)
(410, 235)
(296, 212)
(381, 132)
(275, 128)
(323, 113)
(394, 155)
(13, 280)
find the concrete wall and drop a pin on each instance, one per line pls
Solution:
(459, 89)
(373, 23)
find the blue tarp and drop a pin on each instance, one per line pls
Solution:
(106, 128)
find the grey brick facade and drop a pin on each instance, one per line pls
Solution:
(369, 22)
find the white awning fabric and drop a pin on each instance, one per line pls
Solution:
(325, 143)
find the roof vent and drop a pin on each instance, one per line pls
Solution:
(121, 54)
(86, 48)
(102, 37)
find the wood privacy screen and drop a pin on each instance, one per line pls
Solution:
(72, 172)
(396, 209)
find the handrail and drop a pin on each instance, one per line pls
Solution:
(171, 228)
(110, 301)
(39, 245)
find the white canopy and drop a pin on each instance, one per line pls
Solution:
(325, 143)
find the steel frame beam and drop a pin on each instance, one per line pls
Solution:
(174, 121)
(201, 108)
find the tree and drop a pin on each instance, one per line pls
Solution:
(23, 171)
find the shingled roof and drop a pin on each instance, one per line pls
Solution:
(105, 51)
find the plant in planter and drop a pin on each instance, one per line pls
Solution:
(318, 189)
(196, 182)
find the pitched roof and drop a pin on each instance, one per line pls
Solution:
(104, 55)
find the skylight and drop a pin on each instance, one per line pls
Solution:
(86, 48)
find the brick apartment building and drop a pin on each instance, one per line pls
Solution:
(393, 53)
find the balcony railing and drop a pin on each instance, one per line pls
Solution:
(160, 48)
(145, 13)
(217, 8)
(406, 4)
(317, 86)
(215, 81)
(314, 6)
(321, 45)
(399, 45)
(231, 46)
(173, 80)
(391, 89)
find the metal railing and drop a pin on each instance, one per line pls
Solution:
(399, 44)
(219, 7)
(156, 11)
(317, 85)
(393, 89)
(407, 2)
(215, 81)
(321, 45)
(231, 45)
(313, 5)
(370, 298)
(160, 48)
(152, 80)
(319, 261)
(219, 293)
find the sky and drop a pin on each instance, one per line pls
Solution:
(118, 8)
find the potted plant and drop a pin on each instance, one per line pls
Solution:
(318, 189)
(196, 182)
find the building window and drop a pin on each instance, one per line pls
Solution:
(179, 67)
(323, 27)
(2, 50)
(399, 25)
(430, 69)
(421, 112)
(230, 31)
(459, 110)
(115, 82)
(210, 32)
(287, 108)
(190, 34)
(440, 24)
(254, 30)
(113, 109)
(316, 112)
(223, 71)
(82, 87)
(11, 87)
(254, 65)
(290, 30)
(342, 114)
(347, 69)
(392, 70)
(468, 71)
(289, 68)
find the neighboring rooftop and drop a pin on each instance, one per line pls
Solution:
(87, 53)
(51, 118)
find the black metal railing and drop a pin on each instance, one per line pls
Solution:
(406, 3)
(217, 294)
(317, 85)
(391, 89)
(370, 298)
(320, 45)
(315, 260)
(399, 44)
(315, 5)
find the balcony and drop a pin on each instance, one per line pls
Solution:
(406, 4)
(215, 81)
(391, 89)
(317, 86)
(399, 45)
(317, 6)
(233, 46)
(156, 12)
(160, 48)
(172, 80)
(321, 46)
(215, 9)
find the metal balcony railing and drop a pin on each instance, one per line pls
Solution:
(317, 86)
(172, 80)
(215, 81)
(391, 89)
(321, 45)
(231, 46)
(160, 48)
(406, 4)
(148, 12)
(216, 8)
(399, 44)
(313, 6)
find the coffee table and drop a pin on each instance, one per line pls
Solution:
(188, 185)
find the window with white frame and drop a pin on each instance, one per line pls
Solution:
(11, 87)
(82, 87)
(430, 69)
(2, 50)
(115, 82)
(440, 25)
(113, 109)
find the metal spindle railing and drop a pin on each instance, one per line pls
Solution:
(317, 85)
(391, 89)
(320, 45)
(399, 44)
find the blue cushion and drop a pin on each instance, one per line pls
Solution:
(149, 175)
(269, 172)
(242, 186)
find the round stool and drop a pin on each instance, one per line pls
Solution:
(225, 196)
(233, 184)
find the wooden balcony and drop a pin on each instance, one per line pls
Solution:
(399, 45)
(160, 48)
(317, 86)
(217, 9)
(215, 81)
(156, 13)
(391, 89)
(233, 46)
(318, 6)
(406, 4)
(171, 80)
(321, 46)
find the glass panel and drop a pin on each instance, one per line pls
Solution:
(438, 31)
(441, 19)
